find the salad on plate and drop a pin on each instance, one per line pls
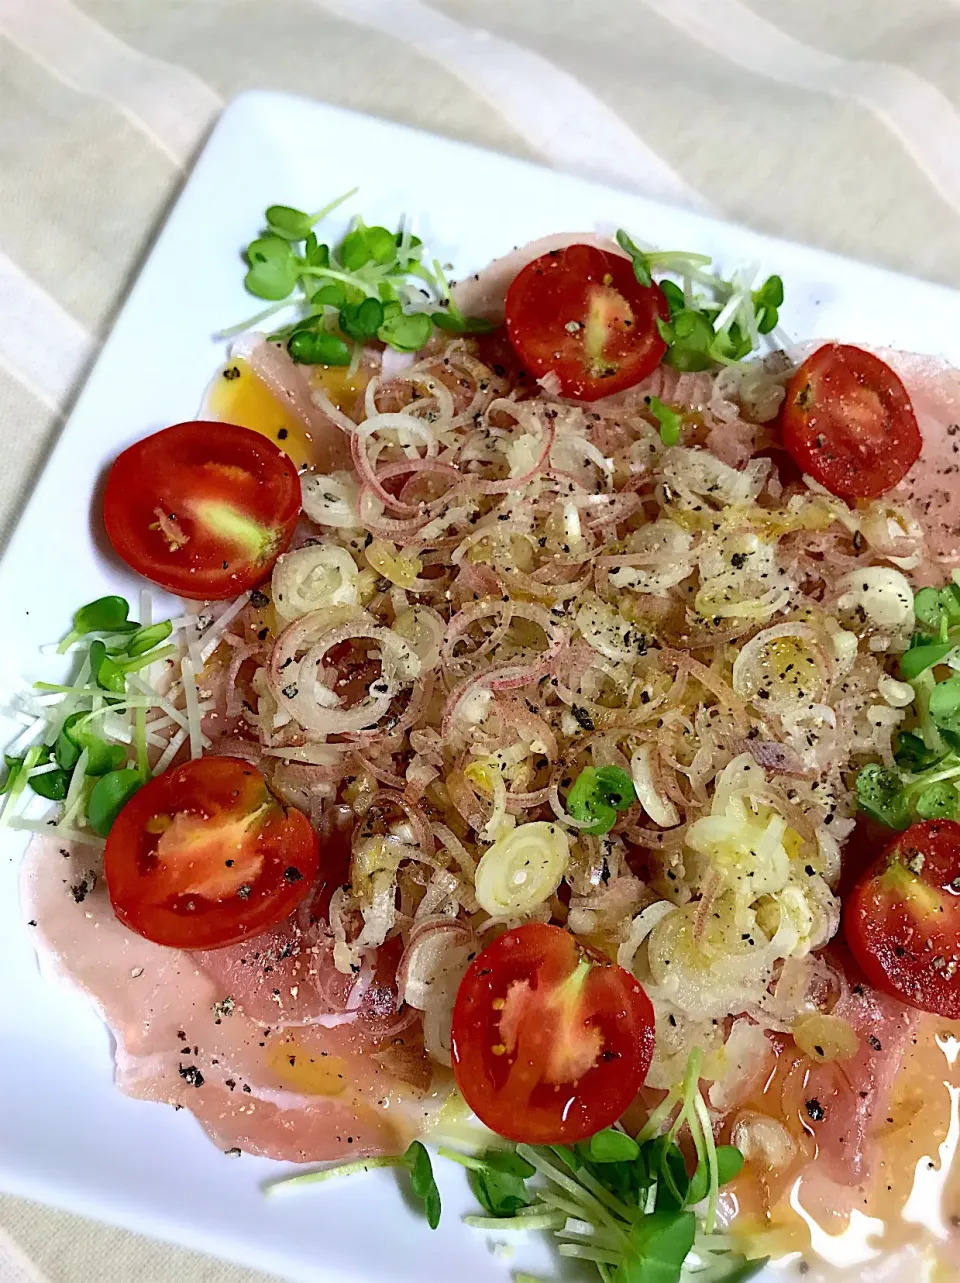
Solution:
(538, 733)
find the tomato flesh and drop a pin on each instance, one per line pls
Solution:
(581, 315)
(849, 423)
(202, 509)
(902, 919)
(205, 855)
(551, 1041)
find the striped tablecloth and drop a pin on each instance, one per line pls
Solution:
(835, 122)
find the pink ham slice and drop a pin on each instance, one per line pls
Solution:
(228, 1034)
(484, 293)
(932, 486)
(290, 384)
(840, 1103)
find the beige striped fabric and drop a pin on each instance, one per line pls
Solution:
(835, 122)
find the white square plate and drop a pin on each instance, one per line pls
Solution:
(66, 1135)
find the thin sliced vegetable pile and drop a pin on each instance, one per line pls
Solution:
(520, 752)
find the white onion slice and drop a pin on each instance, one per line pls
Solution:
(435, 944)
(428, 977)
(659, 557)
(522, 869)
(640, 928)
(660, 809)
(424, 630)
(763, 1139)
(331, 500)
(697, 472)
(311, 578)
(782, 668)
(711, 985)
(743, 1062)
(883, 594)
(296, 678)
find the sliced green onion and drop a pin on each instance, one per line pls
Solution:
(598, 793)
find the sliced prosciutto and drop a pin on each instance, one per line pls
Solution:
(256, 1039)
(840, 1103)
(930, 488)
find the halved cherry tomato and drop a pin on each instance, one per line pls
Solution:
(849, 423)
(551, 1041)
(203, 509)
(205, 855)
(580, 313)
(902, 919)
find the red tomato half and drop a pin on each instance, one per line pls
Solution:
(902, 919)
(205, 855)
(581, 314)
(551, 1041)
(203, 509)
(848, 422)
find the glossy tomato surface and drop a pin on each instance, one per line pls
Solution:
(551, 1041)
(849, 423)
(902, 918)
(202, 509)
(581, 314)
(205, 855)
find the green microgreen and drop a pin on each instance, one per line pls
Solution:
(923, 655)
(318, 347)
(109, 796)
(497, 1178)
(880, 794)
(721, 324)
(105, 615)
(51, 784)
(645, 262)
(924, 783)
(911, 754)
(598, 793)
(670, 421)
(18, 768)
(924, 786)
(110, 668)
(627, 1205)
(937, 614)
(407, 331)
(729, 1163)
(145, 639)
(944, 704)
(937, 609)
(657, 1248)
(612, 1146)
(938, 802)
(455, 322)
(128, 648)
(76, 735)
(14, 767)
(273, 268)
(414, 1160)
(374, 285)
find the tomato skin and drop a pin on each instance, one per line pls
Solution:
(581, 314)
(184, 474)
(173, 841)
(902, 919)
(534, 1001)
(848, 422)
